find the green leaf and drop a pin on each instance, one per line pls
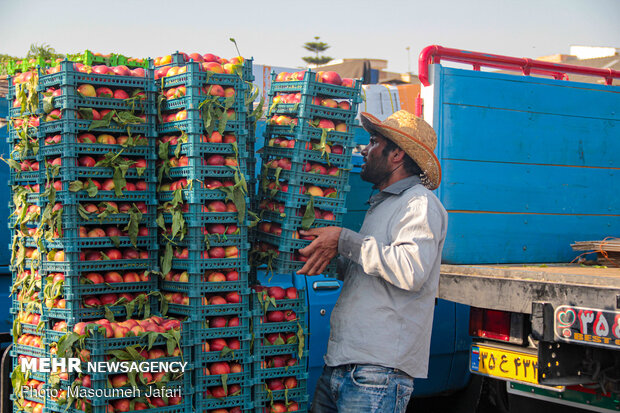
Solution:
(161, 223)
(116, 241)
(76, 186)
(309, 215)
(166, 259)
(178, 223)
(130, 307)
(163, 150)
(92, 189)
(86, 113)
(224, 380)
(127, 118)
(83, 213)
(121, 355)
(103, 123)
(108, 314)
(66, 342)
(153, 336)
(132, 228)
(119, 181)
(302, 339)
(171, 344)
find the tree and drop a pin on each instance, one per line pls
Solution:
(316, 47)
(43, 50)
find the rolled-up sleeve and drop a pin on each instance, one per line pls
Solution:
(406, 262)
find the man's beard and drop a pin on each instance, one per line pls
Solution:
(375, 171)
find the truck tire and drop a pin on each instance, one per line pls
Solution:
(494, 397)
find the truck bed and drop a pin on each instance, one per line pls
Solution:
(515, 287)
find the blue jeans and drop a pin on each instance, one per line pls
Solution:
(356, 388)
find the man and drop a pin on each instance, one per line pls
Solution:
(381, 325)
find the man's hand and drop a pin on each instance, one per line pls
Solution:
(321, 251)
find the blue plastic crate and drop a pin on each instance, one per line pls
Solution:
(201, 173)
(202, 382)
(73, 100)
(300, 154)
(263, 398)
(99, 345)
(74, 220)
(30, 351)
(237, 127)
(194, 77)
(261, 303)
(292, 221)
(101, 265)
(196, 310)
(71, 173)
(195, 97)
(204, 403)
(74, 290)
(195, 148)
(311, 87)
(68, 197)
(285, 263)
(70, 147)
(296, 177)
(24, 177)
(311, 111)
(79, 244)
(261, 372)
(202, 333)
(195, 287)
(76, 313)
(262, 394)
(296, 200)
(193, 195)
(195, 218)
(305, 132)
(70, 77)
(200, 241)
(64, 126)
(285, 242)
(15, 112)
(201, 265)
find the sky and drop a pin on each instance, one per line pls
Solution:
(273, 32)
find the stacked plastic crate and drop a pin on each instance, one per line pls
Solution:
(279, 351)
(305, 163)
(96, 235)
(303, 184)
(203, 149)
(26, 281)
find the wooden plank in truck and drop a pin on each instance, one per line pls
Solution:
(515, 287)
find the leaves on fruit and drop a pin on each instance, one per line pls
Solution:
(309, 214)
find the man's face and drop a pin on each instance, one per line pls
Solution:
(375, 168)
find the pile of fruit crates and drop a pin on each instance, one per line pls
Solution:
(204, 165)
(26, 306)
(14, 67)
(279, 351)
(305, 162)
(85, 236)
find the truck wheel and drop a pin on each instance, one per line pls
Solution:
(493, 397)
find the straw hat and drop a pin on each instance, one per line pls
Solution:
(414, 136)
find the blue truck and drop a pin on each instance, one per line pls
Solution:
(530, 166)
